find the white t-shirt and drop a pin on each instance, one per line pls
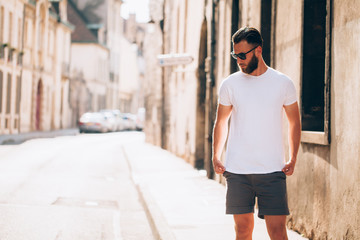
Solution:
(255, 142)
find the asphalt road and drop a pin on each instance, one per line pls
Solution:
(70, 188)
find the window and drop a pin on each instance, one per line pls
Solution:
(18, 94)
(41, 31)
(2, 47)
(10, 28)
(316, 66)
(1, 25)
(266, 8)
(10, 47)
(19, 33)
(8, 96)
(51, 42)
(26, 38)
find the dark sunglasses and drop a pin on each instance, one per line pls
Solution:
(242, 56)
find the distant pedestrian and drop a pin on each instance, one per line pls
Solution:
(255, 164)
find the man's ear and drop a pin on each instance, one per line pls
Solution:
(258, 50)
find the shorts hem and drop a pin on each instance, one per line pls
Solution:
(272, 212)
(239, 210)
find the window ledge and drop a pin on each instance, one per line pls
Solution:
(320, 138)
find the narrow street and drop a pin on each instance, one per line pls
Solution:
(68, 188)
(110, 186)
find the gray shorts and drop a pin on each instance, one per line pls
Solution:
(270, 190)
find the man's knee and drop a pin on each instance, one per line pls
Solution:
(276, 227)
(244, 225)
(243, 229)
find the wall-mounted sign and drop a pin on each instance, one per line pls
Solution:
(174, 59)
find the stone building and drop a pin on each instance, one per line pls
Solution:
(131, 66)
(34, 78)
(117, 74)
(89, 66)
(315, 43)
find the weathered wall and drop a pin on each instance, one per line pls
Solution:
(185, 38)
(323, 192)
(345, 149)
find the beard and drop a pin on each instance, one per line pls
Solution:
(253, 64)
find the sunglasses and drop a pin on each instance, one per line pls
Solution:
(242, 56)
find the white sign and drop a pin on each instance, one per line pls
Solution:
(174, 59)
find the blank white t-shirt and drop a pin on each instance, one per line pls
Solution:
(255, 143)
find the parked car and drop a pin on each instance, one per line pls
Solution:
(115, 118)
(94, 122)
(129, 121)
(119, 119)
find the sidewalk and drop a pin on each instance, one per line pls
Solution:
(10, 139)
(181, 203)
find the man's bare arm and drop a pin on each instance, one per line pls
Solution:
(219, 136)
(293, 116)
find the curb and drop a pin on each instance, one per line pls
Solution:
(161, 229)
(12, 139)
(158, 224)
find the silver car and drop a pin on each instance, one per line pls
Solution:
(94, 122)
(116, 118)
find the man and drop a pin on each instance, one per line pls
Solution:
(255, 163)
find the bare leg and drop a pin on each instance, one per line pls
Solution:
(276, 227)
(244, 225)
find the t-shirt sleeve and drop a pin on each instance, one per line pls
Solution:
(224, 96)
(290, 94)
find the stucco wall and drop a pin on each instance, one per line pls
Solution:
(345, 110)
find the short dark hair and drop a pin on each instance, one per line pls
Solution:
(250, 34)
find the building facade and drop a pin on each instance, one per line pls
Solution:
(105, 28)
(11, 27)
(89, 68)
(315, 44)
(34, 78)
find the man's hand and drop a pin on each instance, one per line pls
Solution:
(218, 167)
(289, 167)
